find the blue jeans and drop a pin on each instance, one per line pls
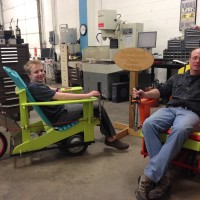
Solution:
(182, 122)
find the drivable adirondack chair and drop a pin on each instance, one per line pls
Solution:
(73, 138)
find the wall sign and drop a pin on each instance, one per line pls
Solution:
(188, 11)
(133, 59)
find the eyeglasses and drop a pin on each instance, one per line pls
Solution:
(195, 59)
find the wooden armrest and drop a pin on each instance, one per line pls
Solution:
(77, 89)
(53, 103)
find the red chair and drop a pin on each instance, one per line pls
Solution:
(189, 156)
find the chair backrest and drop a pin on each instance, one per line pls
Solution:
(183, 69)
(21, 85)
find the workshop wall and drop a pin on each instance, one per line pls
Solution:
(162, 16)
(26, 13)
(157, 15)
(52, 12)
(58, 12)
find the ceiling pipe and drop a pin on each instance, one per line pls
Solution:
(39, 23)
(2, 13)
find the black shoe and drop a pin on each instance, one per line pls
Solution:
(145, 185)
(117, 144)
(161, 189)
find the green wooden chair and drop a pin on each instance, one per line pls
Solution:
(72, 138)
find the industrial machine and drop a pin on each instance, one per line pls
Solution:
(121, 34)
(101, 67)
(68, 36)
(8, 36)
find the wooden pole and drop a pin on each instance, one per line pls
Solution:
(133, 83)
(133, 60)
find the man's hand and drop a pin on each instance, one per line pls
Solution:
(66, 89)
(94, 93)
(138, 93)
(152, 94)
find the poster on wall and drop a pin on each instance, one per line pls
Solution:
(188, 11)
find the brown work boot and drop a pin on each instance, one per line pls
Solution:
(161, 188)
(117, 144)
(145, 185)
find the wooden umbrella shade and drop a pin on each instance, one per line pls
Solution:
(133, 59)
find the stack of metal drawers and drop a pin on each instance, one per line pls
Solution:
(14, 57)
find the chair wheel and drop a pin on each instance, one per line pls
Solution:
(3, 144)
(73, 145)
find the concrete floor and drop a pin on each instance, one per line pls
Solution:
(101, 173)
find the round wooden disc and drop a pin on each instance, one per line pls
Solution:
(133, 59)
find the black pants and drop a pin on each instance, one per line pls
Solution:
(75, 112)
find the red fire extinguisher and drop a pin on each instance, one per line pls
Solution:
(35, 51)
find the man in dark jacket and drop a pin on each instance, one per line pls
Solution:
(182, 114)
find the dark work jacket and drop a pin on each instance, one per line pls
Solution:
(42, 92)
(184, 90)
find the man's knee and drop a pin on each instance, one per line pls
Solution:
(148, 122)
(147, 125)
